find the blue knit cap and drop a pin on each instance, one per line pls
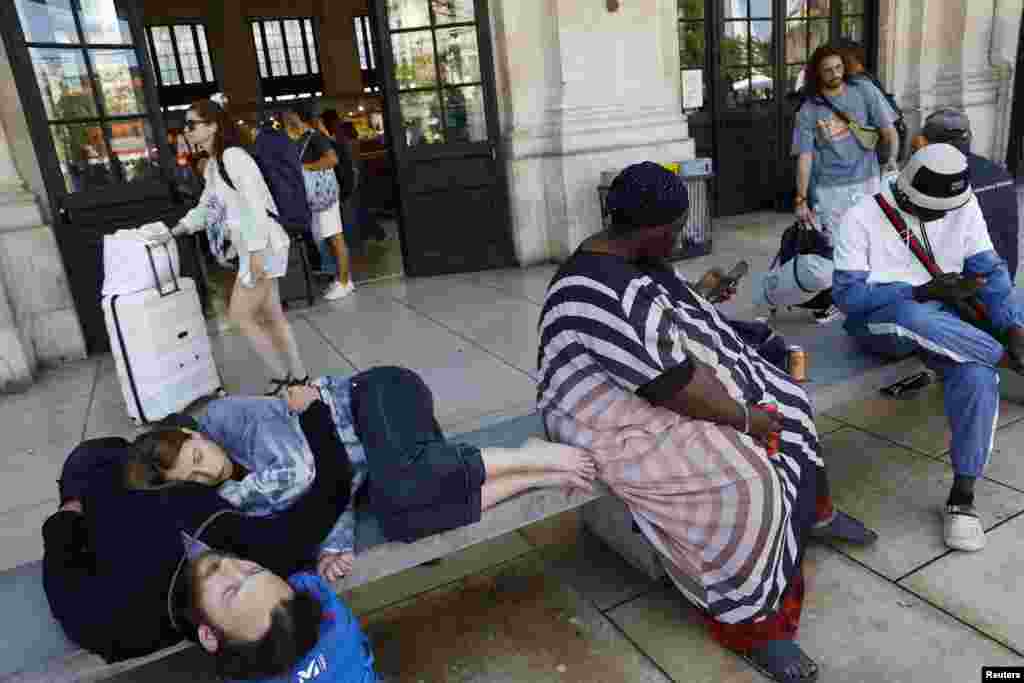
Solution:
(645, 195)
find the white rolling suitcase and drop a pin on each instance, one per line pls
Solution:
(161, 348)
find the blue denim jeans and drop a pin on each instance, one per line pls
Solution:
(419, 482)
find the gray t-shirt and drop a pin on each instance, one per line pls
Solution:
(838, 158)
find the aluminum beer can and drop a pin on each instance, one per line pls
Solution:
(774, 440)
(797, 363)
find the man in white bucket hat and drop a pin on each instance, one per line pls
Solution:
(916, 272)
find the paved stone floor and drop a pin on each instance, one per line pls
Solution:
(551, 603)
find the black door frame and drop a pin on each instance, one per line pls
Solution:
(1015, 145)
(401, 155)
(714, 27)
(63, 202)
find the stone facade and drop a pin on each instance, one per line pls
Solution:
(582, 89)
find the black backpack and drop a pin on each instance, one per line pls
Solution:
(276, 156)
(799, 240)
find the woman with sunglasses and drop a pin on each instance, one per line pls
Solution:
(236, 209)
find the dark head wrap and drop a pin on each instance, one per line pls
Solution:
(645, 195)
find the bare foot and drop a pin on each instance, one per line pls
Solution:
(557, 457)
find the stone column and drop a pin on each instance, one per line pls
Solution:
(17, 357)
(936, 54)
(38, 322)
(581, 90)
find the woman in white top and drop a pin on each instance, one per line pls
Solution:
(238, 223)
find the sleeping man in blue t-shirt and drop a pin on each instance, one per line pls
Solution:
(260, 627)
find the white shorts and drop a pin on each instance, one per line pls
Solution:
(275, 264)
(327, 223)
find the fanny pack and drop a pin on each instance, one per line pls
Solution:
(867, 136)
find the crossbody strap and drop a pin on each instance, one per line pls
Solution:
(910, 239)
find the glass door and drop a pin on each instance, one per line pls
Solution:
(442, 108)
(86, 85)
(750, 82)
(94, 110)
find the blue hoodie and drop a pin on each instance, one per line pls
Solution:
(343, 653)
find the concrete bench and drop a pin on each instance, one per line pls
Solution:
(33, 647)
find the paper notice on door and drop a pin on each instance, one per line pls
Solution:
(693, 88)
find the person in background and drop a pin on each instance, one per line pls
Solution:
(858, 75)
(842, 168)
(993, 186)
(328, 123)
(318, 155)
(235, 210)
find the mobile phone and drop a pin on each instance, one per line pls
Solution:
(728, 280)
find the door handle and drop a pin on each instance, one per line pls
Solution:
(494, 154)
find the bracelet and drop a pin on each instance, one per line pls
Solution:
(746, 418)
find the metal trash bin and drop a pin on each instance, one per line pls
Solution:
(695, 240)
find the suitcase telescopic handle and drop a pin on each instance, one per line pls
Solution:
(170, 267)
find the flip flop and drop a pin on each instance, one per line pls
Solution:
(772, 660)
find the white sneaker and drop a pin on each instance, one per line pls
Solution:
(338, 290)
(827, 315)
(962, 528)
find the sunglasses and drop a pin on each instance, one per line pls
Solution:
(190, 124)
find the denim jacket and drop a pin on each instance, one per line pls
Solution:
(265, 437)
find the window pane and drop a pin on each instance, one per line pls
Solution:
(460, 61)
(761, 42)
(756, 85)
(257, 40)
(853, 6)
(807, 8)
(691, 44)
(465, 118)
(296, 52)
(313, 59)
(134, 153)
(796, 41)
(414, 59)
(63, 83)
(104, 21)
(47, 21)
(761, 9)
(421, 118)
(82, 156)
(205, 51)
(818, 30)
(275, 45)
(794, 77)
(165, 55)
(364, 61)
(691, 9)
(735, 9)
(853, 28)
(734, 44)
(120, 80)
(453, 11)
(408, 13)
(191, 73)
(818, 8)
